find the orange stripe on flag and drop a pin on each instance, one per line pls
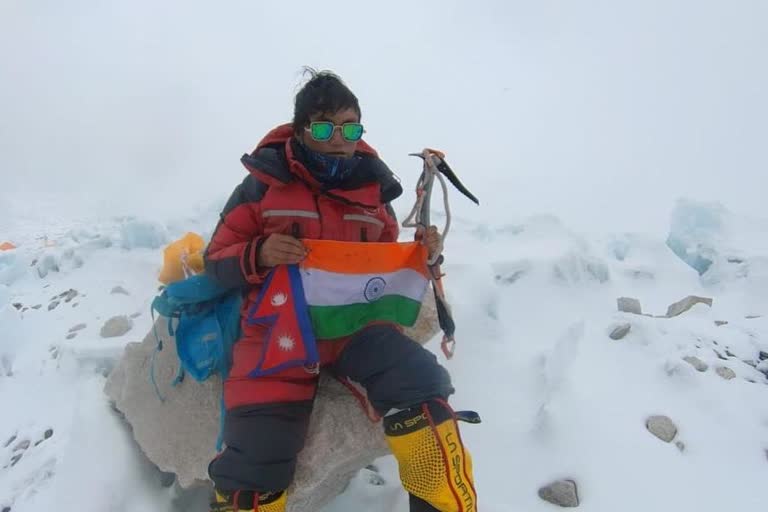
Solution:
(365, 257)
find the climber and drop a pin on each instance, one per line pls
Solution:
(315, 178)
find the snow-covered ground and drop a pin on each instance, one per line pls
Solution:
(535, 304)
(577, 124)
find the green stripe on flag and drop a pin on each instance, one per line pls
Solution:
(337, 321)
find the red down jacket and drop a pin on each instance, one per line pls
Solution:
(279, 195)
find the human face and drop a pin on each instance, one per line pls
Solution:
(336, 145)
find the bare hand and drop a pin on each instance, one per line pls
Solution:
(432, 240)
(280, 249)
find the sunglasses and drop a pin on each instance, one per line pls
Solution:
(322, 131)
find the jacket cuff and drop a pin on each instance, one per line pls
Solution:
(253, 273)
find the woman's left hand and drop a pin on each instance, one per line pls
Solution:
(432, 240)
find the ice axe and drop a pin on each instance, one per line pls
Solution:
(435, 166)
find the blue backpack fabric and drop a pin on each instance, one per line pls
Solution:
(204, 318)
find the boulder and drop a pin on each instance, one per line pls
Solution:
(563, 493)
(681, 306)
(179, 433)
(662, 427)
(117, 326)
(619, 331)
(629, 305)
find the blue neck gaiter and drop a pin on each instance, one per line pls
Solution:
(329, 170)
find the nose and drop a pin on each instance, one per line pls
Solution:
(336, 138)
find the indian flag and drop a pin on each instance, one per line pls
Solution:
(348, 285)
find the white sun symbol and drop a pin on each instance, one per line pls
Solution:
(285, 342)
(279, 299)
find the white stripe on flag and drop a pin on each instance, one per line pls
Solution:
(323, 288)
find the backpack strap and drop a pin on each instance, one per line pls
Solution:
(179, 377)
(164, 307)
(158, 348)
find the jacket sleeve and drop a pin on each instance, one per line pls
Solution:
(391, 228)
(231, 257)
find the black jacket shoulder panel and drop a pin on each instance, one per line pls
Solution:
(373, 169)
(250, 190)
(271, 161)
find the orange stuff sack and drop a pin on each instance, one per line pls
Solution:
(182, 258)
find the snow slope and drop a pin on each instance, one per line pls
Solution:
(535, 303)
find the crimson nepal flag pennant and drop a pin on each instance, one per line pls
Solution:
(282, 309)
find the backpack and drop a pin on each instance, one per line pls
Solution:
(204, 318)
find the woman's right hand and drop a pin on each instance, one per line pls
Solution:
(280, 249)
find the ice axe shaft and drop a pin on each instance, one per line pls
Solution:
(435, 166)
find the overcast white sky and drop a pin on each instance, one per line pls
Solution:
(601, 112)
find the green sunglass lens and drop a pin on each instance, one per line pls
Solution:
(352, 131)
(321, 130)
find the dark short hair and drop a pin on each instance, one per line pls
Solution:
(325, 92)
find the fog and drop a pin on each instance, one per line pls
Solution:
(599, 112)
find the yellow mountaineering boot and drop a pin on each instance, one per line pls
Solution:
(434, 465)
(248, 501)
